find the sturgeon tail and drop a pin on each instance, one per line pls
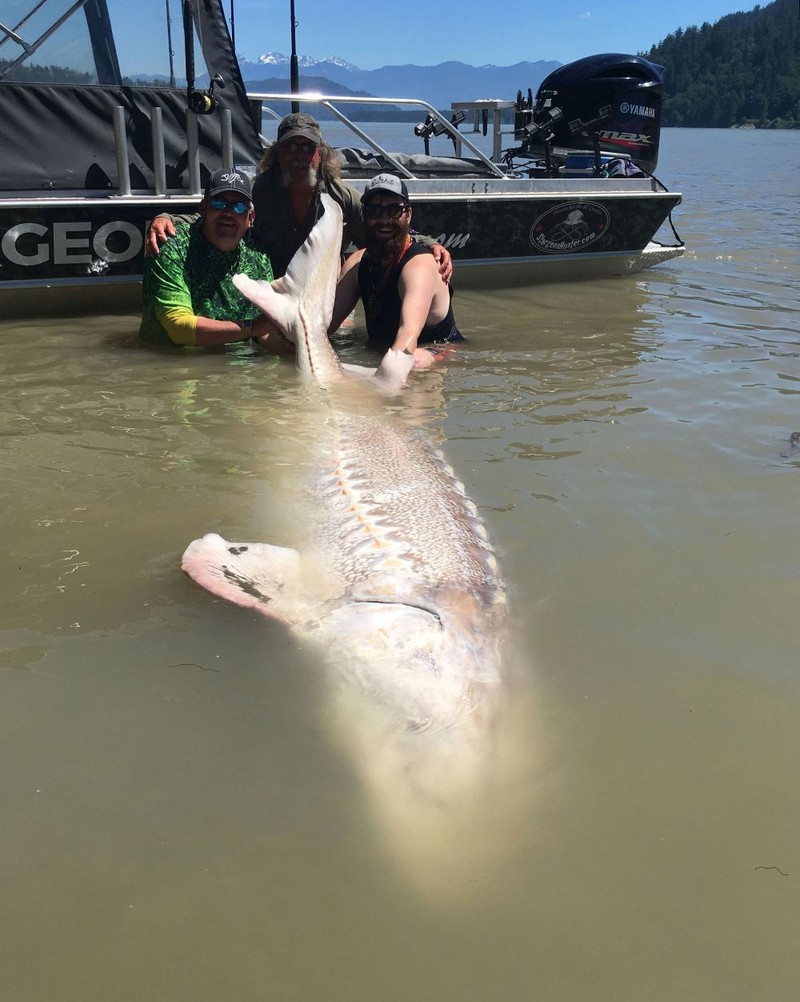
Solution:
(301, 303)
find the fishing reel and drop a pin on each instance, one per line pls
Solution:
(433, 127)
(203, 102)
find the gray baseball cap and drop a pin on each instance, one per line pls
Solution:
(299, 126)
(385, 184)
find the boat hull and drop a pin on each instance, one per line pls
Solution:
(84, 253)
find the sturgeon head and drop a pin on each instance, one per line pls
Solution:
(301, 305)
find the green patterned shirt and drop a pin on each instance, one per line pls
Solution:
(191, 278)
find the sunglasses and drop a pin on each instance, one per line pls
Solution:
(393, 211)
(293, 147)
(220, 203)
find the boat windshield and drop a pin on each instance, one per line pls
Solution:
(95, 42)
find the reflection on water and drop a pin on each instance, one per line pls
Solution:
(178, 820)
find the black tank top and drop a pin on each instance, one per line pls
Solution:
(382, 304)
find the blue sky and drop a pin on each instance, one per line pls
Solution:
(426, 33)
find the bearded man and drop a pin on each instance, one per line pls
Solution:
(293, 173)
(407, 305)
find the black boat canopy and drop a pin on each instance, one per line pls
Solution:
(60, 81)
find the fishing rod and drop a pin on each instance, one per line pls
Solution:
(294, 74)
(201, 102)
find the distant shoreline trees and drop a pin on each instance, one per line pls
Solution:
(742, 71)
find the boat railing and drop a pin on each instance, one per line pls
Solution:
(330, 102)
(193, 186)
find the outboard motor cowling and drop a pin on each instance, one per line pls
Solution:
(613, 99)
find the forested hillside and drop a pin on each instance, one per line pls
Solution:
(743, 70)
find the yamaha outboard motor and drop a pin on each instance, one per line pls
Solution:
(613, 99)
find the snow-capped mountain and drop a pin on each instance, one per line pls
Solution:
(306, 62)
(439, 85)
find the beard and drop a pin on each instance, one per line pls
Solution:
(385, 249)
(308, 178)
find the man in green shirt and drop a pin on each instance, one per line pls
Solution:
(188, 292)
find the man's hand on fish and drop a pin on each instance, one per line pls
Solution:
(267, 335)
(423, 359)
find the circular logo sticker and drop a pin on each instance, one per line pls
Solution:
(569, 227)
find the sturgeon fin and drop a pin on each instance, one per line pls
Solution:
(390, 376)
(270, 298)
(301, 303)
(310, 278)
(254, 575)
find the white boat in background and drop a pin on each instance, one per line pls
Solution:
(90, 155)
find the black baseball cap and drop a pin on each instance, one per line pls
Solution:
(228, 180)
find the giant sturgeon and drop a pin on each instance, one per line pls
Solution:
(397, 585)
